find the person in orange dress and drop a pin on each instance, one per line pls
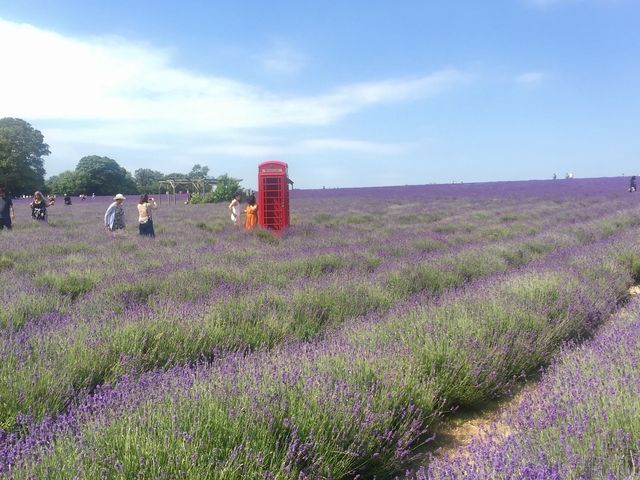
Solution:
(251, 212)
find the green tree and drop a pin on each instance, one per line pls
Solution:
(198, 171)
(103, 176)
(226, 188)
(66, 182)
(21, 150)
(147, 180)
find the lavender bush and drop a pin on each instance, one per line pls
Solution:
(582, 422)
(325, 353)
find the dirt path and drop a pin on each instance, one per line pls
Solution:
(457, 432)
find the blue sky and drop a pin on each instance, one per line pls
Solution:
(353, 93)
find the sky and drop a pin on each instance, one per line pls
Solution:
(348, 93)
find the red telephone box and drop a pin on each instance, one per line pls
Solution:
(273, 195)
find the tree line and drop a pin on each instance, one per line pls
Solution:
(22, 171)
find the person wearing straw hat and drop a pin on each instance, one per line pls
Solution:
(114, 216)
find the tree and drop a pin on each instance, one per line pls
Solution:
(147, 180)
(226, 188)
(198, 171)
(103, 176)
(66, 182)
(21, 151)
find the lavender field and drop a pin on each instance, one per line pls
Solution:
(331, 351)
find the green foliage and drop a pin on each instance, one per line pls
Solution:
(6, 262)
(66, 182)
(322, 218)
(26, 307)
(226, 188)
(94, 174)
(147, 180)
(72, 284)
(207, 227)
(21, 151)
(266, 236)
(103, 176)
(198, 171)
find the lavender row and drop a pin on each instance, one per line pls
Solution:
(58, 357)
(356, 403)
(582, 421)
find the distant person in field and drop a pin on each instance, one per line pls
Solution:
(234, 208)
(67, 199)
(38, 207)
(632, 184)
(6, 210)
(145, 222)
(52, 200)
(251, 212)
(114, 216)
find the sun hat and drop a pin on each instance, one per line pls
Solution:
(119, 197)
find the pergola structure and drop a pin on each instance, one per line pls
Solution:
(198, 186)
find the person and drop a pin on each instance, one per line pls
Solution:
(251, 212)
(67, 199)
(114, 216)
(52, 200)
(38, 207)
(234, 207)
(7, 213)
(632, 184)
(145, 222)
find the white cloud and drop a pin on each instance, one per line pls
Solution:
(531, 78)
(113, 80)
(282, 58)
(347, 145)
(264, 149)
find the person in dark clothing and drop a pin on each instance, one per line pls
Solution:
(67, 200)
(6, 210)
(38, 207)
(632, 184)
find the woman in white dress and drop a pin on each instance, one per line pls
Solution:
(234, 207)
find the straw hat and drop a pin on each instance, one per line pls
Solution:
(119, 197)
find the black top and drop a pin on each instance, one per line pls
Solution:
(5, 204)
(39, 210)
